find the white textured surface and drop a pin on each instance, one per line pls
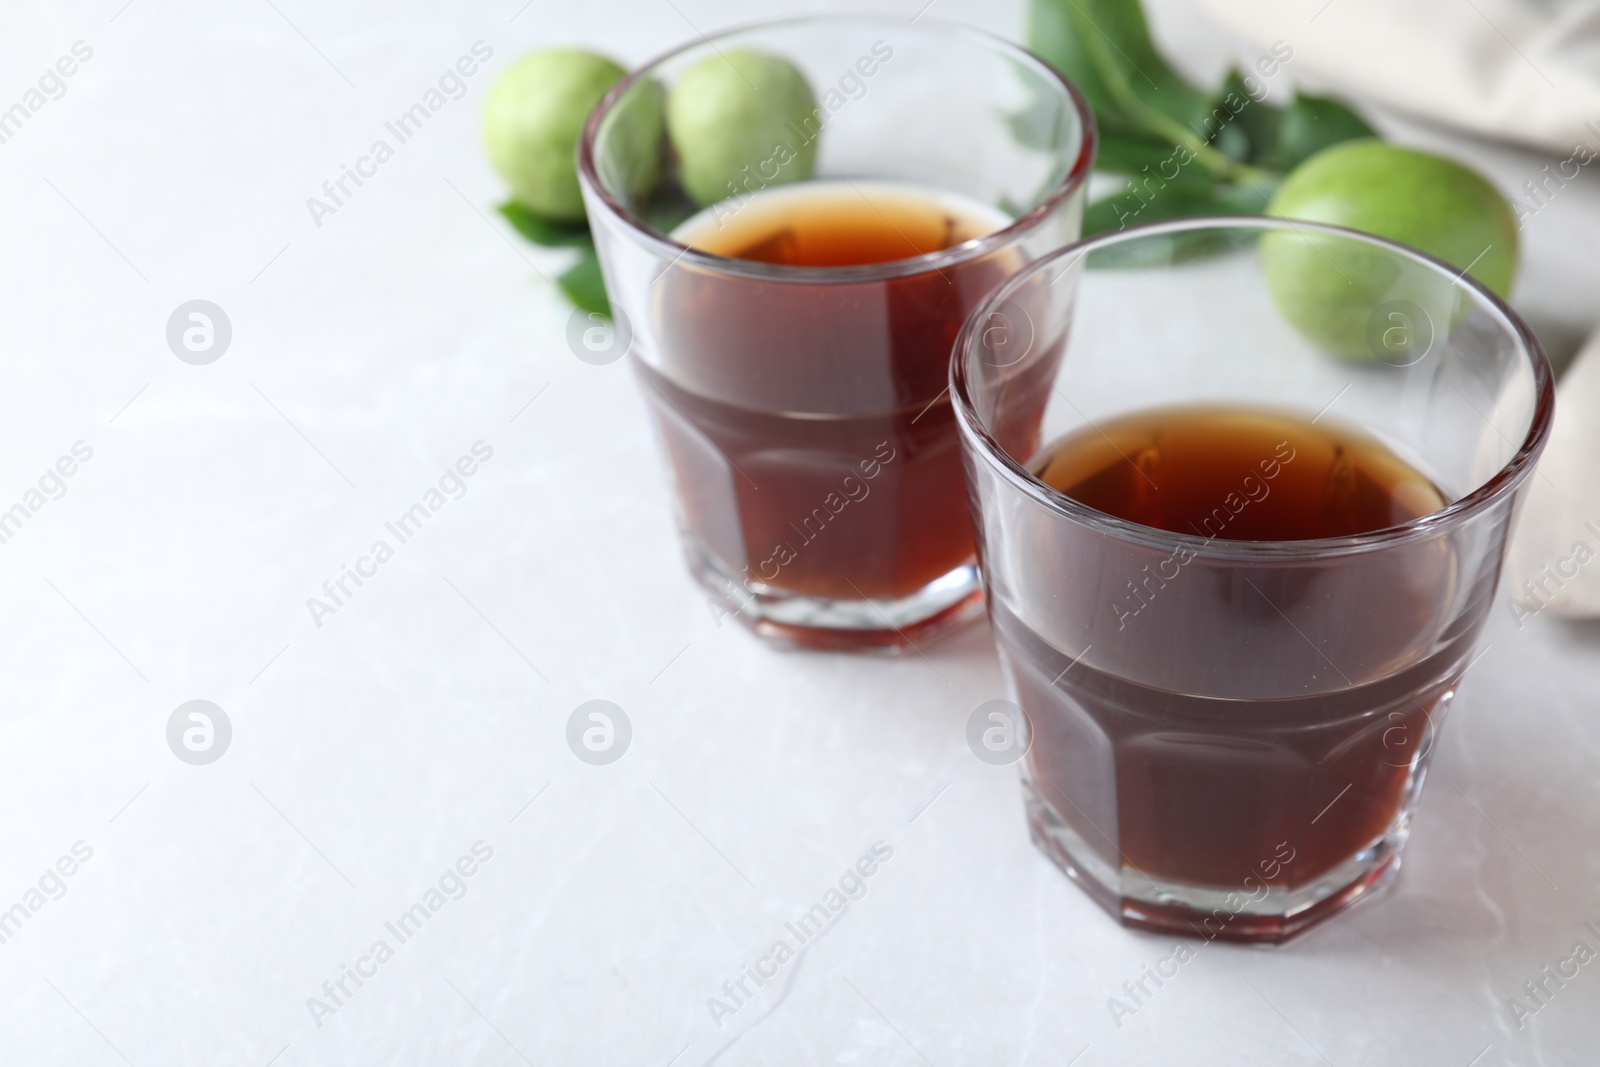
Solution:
(369, 754)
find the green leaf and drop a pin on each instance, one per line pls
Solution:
(1130, 154)
(1230, 138)
(1169, 248)
(1175, 200)
(1258, 120)
(669, 208)
(541, 230)
(1224, 198)
(584, 285)
(1186, 152)
(1188, 183)
(1104, 47)
(1312, 123)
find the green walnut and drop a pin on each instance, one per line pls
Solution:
(533, 116)
(628, 143)
(741, 121)
(1330, 288)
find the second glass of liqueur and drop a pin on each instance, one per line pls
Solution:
(792, 338)
(1243, 486)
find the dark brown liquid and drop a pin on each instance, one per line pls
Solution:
(1181, 780)
(838, 225)
(1238, 474)
(806, 419)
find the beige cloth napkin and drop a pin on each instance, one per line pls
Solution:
(1517, 70)
(1554, 563)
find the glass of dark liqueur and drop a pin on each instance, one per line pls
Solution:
(792, 338)
(1242, 489)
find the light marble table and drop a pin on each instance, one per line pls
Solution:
(418, 732)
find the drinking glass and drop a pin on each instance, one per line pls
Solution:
(1227, 738)
(803, 411)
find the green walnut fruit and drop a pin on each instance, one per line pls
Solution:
(1335, 289)
(532, 118)
(741, 121)
(628, 143)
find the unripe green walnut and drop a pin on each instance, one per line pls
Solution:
(533, 116)
(742, 109)
(1331, 287)
(628, 144)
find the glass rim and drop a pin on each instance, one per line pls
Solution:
(1492, 491)
(1076, 176)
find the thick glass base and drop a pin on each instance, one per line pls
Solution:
(1215, 914)
(887, 627)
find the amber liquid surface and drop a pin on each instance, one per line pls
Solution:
(1208, 791)
(838, 224)
(806, 420)
(1238, 474)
